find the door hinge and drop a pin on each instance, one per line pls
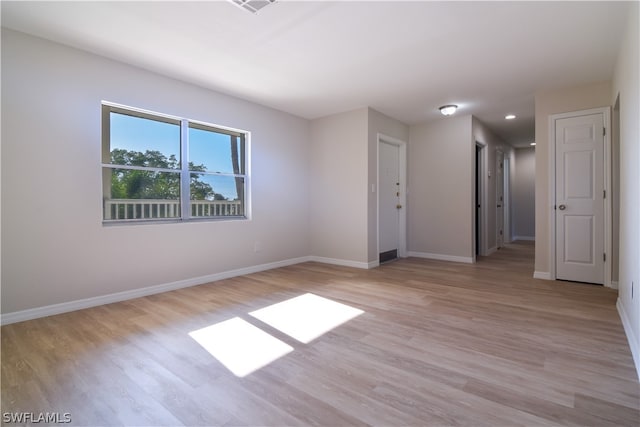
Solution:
(604, 257)
(604, 131)
(604, 194)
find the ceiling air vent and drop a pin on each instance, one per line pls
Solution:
(253, 6)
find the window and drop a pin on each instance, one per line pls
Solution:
(157, 167)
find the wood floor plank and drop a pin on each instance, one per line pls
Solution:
(438, 343)
(540, 407)
(605, 411)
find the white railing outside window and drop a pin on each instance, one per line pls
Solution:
(139, 209)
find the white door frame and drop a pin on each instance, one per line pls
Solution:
(606, 113)
(402, 156)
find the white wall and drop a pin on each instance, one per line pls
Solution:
(54, 246)
(338, 187)
(625, 84)
(524, 194)
(440, 207)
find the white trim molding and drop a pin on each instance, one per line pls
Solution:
(525, 238)
(374, 264)
(634, 345)
(441, 257)
(344, 262)
(544, 275)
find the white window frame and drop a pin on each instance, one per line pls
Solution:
(184, 172)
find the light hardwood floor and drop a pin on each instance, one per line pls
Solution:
(438, 344)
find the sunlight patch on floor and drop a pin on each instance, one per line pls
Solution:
(306, 317)
(240, 346)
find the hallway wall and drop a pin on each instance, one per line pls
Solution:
(523, 194)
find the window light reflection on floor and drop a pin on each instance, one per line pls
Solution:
(240, 346)
(306, 317)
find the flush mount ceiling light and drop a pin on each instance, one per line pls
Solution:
(510, 116)
(448, 110)
(252, 6)
(533, 144)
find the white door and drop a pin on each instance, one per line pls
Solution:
(580, 198)
(500, 199)
(389, 201)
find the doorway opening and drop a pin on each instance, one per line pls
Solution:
(480, 201)
(500, 210)
(507, 200)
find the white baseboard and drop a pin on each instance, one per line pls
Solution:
(491, 250)
(344, 262)
(544, 275)
(527, 238)
(441, 257)
(633, 341)
(65, 307)
(614, 284)
(50, 310)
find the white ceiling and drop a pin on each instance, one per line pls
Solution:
(314, 58)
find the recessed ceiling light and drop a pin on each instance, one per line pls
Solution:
(510, 116)
(533, 144)
(448, 110)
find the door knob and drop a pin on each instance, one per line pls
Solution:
(562, 207)
(398, 206)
